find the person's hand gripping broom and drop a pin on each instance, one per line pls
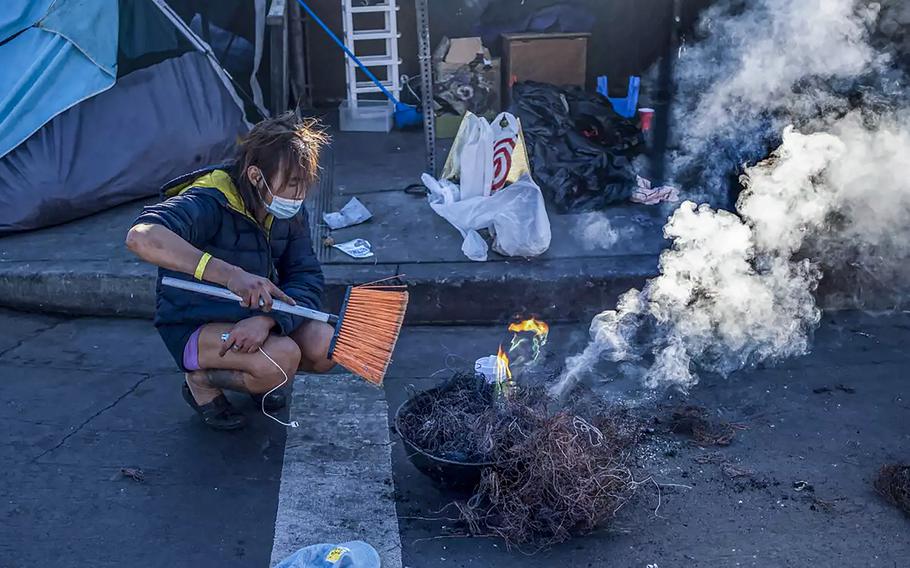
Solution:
(366, 330)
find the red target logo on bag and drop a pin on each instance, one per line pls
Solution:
(502, 162)
(487, 156)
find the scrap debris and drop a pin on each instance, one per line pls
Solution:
(893, 483)
(133, 473)
(734, 471)
(467, 77)
(842, 388)
(727, 467)
(825, 506)
(693, 421)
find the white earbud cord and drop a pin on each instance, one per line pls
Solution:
(292, 423)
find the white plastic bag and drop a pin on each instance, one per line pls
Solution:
(514, 214)
(472, 157)
(354, 554)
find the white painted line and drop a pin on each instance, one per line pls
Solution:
(336, 482)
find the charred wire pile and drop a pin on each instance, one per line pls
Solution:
(556, 473)
(460, 422)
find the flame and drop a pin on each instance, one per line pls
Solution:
(503, 372)
(539, 328)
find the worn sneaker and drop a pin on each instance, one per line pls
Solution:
(217, 414)
(275, 401)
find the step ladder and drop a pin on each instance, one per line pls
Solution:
(370, 113)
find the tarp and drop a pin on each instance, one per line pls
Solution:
(68, 55)
(154, 124)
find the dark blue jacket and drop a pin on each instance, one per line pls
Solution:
(206, 210)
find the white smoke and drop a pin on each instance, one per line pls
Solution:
(760, 66)
(595, 231)
(737, 289)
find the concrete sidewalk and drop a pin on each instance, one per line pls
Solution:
(83, 268)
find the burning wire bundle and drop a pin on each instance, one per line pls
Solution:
(539, 473)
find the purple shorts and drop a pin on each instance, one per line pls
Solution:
(191, 352)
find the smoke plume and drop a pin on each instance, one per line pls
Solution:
(760, 66)
(739, 288)
(595, 231)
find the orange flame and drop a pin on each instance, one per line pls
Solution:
(540, 328)
(503, 372)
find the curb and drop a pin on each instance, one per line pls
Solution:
(445, 293)
(93, 288)
(566, 290)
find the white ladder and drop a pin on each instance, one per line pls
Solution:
(371, 114)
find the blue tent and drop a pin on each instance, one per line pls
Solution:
(101, 101)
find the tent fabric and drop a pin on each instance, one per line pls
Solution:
(66, 57)
(147, 37)
(259, 6)
(204, 47)
(18, 15)
(91, 25)
(236, 32)
(91, 157)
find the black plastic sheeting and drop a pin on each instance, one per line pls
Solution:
(581, 151)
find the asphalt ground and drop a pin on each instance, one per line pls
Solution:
(85, 397)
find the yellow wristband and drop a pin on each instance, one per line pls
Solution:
(200, 268)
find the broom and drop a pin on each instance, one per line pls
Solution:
(405, 115)
(365, 332)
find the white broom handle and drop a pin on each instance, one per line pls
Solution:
(228, 295)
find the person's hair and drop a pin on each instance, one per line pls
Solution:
(279, 142)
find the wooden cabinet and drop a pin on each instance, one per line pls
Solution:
(555, 58)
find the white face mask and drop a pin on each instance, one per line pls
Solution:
(280, 207)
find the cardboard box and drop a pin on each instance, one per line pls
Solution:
(452, 55)
(464, 50)
(463, 63)
(557, 58)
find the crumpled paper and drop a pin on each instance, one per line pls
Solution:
(648, 195)
(351, 214)
(358, 248)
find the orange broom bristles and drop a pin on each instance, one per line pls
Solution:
(368, 328)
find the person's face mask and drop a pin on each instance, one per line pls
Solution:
(280, 207)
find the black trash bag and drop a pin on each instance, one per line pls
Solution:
(580, 150)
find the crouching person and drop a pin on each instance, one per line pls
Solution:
(241, 226)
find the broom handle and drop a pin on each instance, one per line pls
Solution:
(218, 292)
(349, 53)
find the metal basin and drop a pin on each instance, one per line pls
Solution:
(453, 474)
